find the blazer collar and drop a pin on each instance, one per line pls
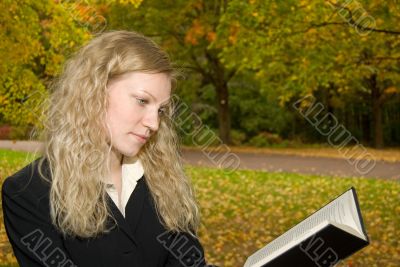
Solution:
(133, 209)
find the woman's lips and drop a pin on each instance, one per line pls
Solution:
(141, 138)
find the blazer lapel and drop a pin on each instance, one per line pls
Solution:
(121, 221)
(134, 207)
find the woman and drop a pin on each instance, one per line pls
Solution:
(110, 189)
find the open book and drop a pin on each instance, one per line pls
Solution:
(323, 239)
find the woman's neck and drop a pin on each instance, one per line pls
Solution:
(116, 161)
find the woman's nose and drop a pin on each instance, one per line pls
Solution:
(151, 120)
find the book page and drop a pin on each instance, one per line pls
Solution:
(278, 246)
(339, 211)
(355, 215)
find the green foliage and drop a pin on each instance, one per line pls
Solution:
(280, 50)
(21, 132)
(304, 44)
(264, 139)
(37, 37)
(269, 53)
(301, 47)
(238, 137)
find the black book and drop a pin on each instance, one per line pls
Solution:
(323, 239)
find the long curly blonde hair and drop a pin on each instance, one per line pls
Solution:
(76, 147)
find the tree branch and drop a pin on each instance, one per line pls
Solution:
(353, 23)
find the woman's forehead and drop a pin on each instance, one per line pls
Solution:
(157, 86)
(134, 75)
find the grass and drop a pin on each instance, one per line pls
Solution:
(247, 209)
(244, 210)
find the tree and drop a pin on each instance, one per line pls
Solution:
(37, 37)
(299, 47)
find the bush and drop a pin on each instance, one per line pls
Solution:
(237, 137)
(201, 138)
(264, 139)
(8, 132)
(5, 132)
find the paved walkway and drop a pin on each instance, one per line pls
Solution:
(302, 164)
(269, 162)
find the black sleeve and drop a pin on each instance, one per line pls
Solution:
(184, 250)
(34, 240)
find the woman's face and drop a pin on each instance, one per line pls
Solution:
(136, 103)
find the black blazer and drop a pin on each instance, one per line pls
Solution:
(139, 240)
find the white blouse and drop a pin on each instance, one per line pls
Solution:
(132, 171)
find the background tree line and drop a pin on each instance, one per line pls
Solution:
(245, 62)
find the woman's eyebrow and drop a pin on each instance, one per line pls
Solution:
(163, 103)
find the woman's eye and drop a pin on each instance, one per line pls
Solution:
(141, 101)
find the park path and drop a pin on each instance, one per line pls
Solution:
(299, 164)
(267, 162)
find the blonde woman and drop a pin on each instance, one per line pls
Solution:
(109, 189)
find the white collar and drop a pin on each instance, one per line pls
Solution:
(132, 170)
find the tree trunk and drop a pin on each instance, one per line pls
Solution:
(220, 80)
